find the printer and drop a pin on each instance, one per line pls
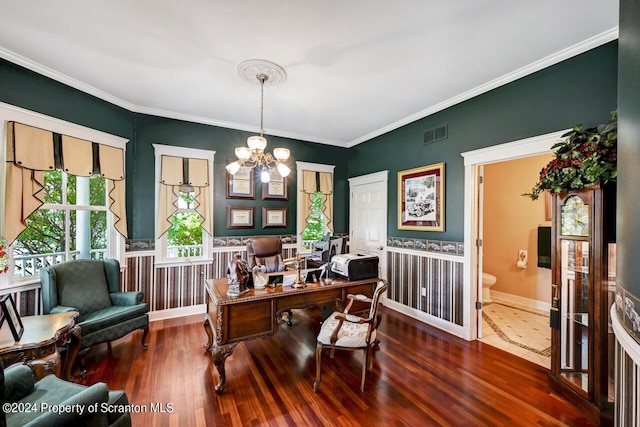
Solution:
(326, 248)
(355, 266)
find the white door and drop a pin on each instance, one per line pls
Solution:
(368, 216)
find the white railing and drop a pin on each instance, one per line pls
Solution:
(30, 265)
(186, 251)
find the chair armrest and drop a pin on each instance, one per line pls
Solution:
(97, 393)
(351, 318)
(126, 298)
(359, 297)
(18, 383)
(62, 309)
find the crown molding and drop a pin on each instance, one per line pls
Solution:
(553, 59)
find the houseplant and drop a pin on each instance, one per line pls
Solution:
(584, 157)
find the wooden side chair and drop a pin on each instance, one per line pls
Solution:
(344, 331)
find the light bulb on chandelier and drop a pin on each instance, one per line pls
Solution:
(253, 155)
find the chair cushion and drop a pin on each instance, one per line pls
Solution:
(73, 289)
(351, 335)
(19, 382)
(101, 319)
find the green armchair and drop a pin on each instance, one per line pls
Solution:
(27, 402)
(92, 288)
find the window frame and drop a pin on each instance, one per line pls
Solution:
(315, 167)
(161, 242)
(9, 113)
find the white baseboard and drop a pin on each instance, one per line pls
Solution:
(497, 296)
(172, 313)
(436, 322)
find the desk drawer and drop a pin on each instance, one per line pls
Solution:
(247, 320)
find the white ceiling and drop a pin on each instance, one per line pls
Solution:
(355, 69)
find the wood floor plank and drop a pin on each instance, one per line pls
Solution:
(420, 376)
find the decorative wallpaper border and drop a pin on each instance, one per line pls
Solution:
(438, 246)
(627, 308)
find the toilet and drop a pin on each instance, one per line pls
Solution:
(488, 280)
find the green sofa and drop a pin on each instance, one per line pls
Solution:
(26, 402)
(92, 288)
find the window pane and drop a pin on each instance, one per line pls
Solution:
(88, 230)
(184, 238)
(86, 191)
(187, 200)
(42, 243)
(53, 187)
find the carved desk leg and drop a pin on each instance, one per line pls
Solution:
(74, 347)
(208, 328)
(220, 354)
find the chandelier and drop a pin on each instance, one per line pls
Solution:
(253, 155)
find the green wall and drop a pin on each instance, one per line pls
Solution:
(628, 204)
(579, 90)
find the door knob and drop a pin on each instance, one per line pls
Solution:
(380, 248)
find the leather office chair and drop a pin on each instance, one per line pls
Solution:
(344, 331)
(267, 251)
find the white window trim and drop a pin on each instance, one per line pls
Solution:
(315, 167)
(11, 113)
(161, 243)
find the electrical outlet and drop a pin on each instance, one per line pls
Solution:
(423, 292)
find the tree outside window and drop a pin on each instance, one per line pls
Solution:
(71, 224)
(315, 229)
(184, 238)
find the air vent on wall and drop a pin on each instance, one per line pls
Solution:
(435, 134)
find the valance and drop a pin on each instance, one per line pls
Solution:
(31, 151)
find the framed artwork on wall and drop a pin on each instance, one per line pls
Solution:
(241, 185)
(10, 313)
(274, 217)
(421, 198)
(275, 189)
(240, 216)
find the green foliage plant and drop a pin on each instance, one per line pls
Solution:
(584, 157)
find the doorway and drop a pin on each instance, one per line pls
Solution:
(473, 266)
(515, 309)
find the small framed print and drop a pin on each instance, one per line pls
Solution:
(241, 185)
(10, 313)
(274, 217)
(276, 189)
(240, 216)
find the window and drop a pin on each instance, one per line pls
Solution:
(315, 203)
(70, 217)
(184, 197)
(316, 223)
(72, 224)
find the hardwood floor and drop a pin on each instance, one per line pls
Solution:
(421, 376)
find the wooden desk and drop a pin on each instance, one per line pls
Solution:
(230, 320)
(38, 346)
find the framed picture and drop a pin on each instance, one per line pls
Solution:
(274, 217)
(241, 185)
(240, 216)
(276, 189)
(421, 198)
(13, 317)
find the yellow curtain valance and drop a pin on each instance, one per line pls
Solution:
(31, 151)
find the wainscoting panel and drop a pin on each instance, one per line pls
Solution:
(627, 375)
(426, 282)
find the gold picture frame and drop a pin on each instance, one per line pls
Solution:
(421, 198)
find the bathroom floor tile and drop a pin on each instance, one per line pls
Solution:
(518, 330)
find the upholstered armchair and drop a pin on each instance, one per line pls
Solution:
(34, 401)
(92, 288)
(345, 331)
(267, 251)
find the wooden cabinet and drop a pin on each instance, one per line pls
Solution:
(583, 263)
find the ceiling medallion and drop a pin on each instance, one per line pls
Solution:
(251, 68)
